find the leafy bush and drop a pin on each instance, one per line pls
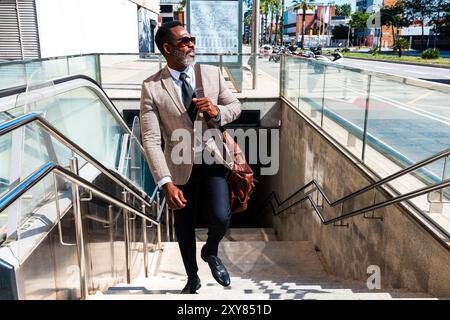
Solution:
(374, 51)
(345, 50)
(400, 44)
(431, 53)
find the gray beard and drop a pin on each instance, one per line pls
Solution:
(183, 59)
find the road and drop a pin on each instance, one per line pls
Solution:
(441, 75)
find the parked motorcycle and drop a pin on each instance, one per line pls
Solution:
(277, 52)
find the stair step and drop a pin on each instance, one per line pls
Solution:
(259, 270)
(241, 234)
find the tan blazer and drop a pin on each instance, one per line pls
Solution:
(163, 112)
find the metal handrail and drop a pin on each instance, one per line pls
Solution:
(382, 204)
(49, 167)
(77, 181)
(36, 117)
(385, 180)
(445, 183)
(92, 84)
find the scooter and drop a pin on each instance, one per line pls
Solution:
(276, 54)
(337, 56)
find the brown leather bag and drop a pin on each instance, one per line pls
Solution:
(241, 183)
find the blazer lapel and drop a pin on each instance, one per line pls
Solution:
(167, 82)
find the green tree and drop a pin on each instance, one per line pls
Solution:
(419, 11)
(181, 5)
(344, 10)
(393, 16)
(358, 20)
(304, 5)
(441, 18)
(267, 7)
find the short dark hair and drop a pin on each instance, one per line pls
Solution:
(164, 35)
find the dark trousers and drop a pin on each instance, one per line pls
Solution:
(206, 189)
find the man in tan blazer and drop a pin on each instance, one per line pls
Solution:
(170, 104)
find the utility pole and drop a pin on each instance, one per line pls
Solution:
(255, 40)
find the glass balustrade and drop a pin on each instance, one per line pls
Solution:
(387, 122)
(17, 73)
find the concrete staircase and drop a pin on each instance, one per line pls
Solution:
(260, 267)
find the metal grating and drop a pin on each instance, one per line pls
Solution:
(19, 38)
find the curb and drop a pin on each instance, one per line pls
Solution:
(402, 62)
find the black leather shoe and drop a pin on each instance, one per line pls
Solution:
(192, 285)
(218, 270)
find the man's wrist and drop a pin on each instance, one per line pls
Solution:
(167, 186)
(217, 117)
(164, 181)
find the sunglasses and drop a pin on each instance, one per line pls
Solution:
(186, 40)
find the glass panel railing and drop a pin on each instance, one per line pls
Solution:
(344, 106)
(387, 122)
(81, 114)
(123, 74)
(17, 73)
(291, 80)
(137, 160)
(413, 122)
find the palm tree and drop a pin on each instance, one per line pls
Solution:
(304, 5)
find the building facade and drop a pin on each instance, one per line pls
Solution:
(170, 10)
(49, 28)
(317, 23)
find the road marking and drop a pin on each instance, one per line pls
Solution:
(426, 94)
(405, 107)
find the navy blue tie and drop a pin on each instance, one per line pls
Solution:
(187, 94)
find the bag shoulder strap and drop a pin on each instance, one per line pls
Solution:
(200, 92)
(198, 81)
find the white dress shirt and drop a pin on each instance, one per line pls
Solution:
(178, 83)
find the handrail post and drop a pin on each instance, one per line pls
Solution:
(221, 62)
(79, 231)
(444, 174)
(166, 213)
(158, 227)
(111, 237)
(282, 75)
(173, 225)
(144, 235)
(126, 234)
(98, 68)
(366, 116)
(323, 93)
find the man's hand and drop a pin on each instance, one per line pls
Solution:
(205, 105)
(174, 196)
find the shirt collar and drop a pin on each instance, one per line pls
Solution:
(176, 74)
